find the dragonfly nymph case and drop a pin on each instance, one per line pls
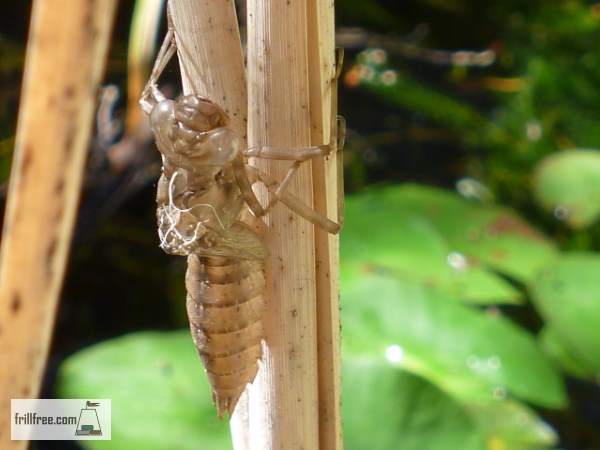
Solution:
(205, 205)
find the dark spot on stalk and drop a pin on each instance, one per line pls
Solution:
(27, 157)
(50, 253)
(15, 304)
(88, 18)
(70, 140)
(59, 212)
(59, 187)
(69, 92)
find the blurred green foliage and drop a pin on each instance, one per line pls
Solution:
(469, 317)
(160, 400)
(414, 348)
(568, 185)
(566, 294)
(539, 97)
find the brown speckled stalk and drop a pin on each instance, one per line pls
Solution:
(66, 53)
(225, 305)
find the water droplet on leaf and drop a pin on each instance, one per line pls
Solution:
(457, 261)
(394, 354)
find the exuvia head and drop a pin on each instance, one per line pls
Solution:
(192, 133)
(199, 114)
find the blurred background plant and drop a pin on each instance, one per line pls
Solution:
(470, 267)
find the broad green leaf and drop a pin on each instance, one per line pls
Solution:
(564, 357)
(388, 409)
(413, 414)
(137, 370)
(487, 235)
(510, 425)
(568, 184)
(160, 397)
(160, 400)
(473, 356)
(567, 294)
(384, 232)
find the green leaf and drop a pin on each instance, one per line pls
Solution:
(154, 383)
(511, 425)
(435, 237)
(568, 183)
(160, 396)
(388, 409)
(412, 414)
(488, 235)
(160, 400)
(562, 355)
(382, 232)
(473, 356)
(567, 294)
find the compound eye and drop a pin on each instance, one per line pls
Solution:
(224, 146)
(199, 114)
(162, 114)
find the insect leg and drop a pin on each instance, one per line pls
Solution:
(286, 154)
(339, 133)
(305, 153)
(299, 155)
(245, 185)
(341, 139)
(278, 191)
(286, 180)
(151, 95)
(293, 202)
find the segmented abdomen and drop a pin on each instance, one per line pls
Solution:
(225, 305)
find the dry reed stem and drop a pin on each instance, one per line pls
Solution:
(212, 65)
(294, 401)
(64, 64)
(323, 111)
(290, 66)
